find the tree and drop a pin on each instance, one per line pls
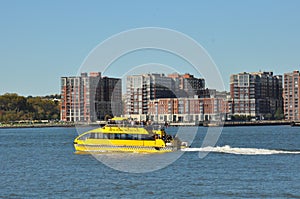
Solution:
(279, 114)
(14, 107)
(12, 102)
(241, 118)
(268, 116)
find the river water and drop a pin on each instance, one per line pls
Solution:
(247, 162)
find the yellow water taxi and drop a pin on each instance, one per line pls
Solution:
(121, 135)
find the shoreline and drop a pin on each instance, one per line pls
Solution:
(7, 126)
(204, 124)
(241, 123)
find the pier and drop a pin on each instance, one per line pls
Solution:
(295, 123)
(236, 123)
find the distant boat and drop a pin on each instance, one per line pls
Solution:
(122, 135)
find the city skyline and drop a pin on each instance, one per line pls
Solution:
(124, 82)
(180, 97)
(42, 41)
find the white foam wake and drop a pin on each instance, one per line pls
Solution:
(241, 151)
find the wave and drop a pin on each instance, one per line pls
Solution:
(240, 151)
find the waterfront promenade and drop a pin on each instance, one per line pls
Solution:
(174, 124)
(38, 125)
(237, 123)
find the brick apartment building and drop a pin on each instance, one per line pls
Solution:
(90, 97)
(257, 94)
(291, 93)
(187, 85)
(143, 88)
(189, 109)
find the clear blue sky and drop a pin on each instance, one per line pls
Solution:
(40, 41)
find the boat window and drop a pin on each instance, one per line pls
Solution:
(123, 136)
(84, 137)
(99, 136)
(129, 137)
(142, 137)
(135, 136)
(111, 136)
(116, 136)
(139, 136)
(148, 137)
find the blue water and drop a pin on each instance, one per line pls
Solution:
(40, 163)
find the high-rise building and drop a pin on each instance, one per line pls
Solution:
(89, 98)
(142, 88)
(187, 85)
(257, 94)
(109, 98)
(291, 96)
(76, 97)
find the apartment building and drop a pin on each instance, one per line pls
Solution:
(291, 92)
(257, 94)
(87, 98)
(189, 109)
(108, 101)
(187, 85)
(143, 88)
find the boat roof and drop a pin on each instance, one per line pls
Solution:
(119, 118)
(120, 130)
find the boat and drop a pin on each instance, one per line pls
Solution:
(123, 135)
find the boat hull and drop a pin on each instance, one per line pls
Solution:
(81, 148)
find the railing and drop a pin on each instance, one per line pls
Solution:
(147, 127)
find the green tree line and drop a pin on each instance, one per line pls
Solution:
(15, 108)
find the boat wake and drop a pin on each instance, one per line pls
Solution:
(240, 151)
